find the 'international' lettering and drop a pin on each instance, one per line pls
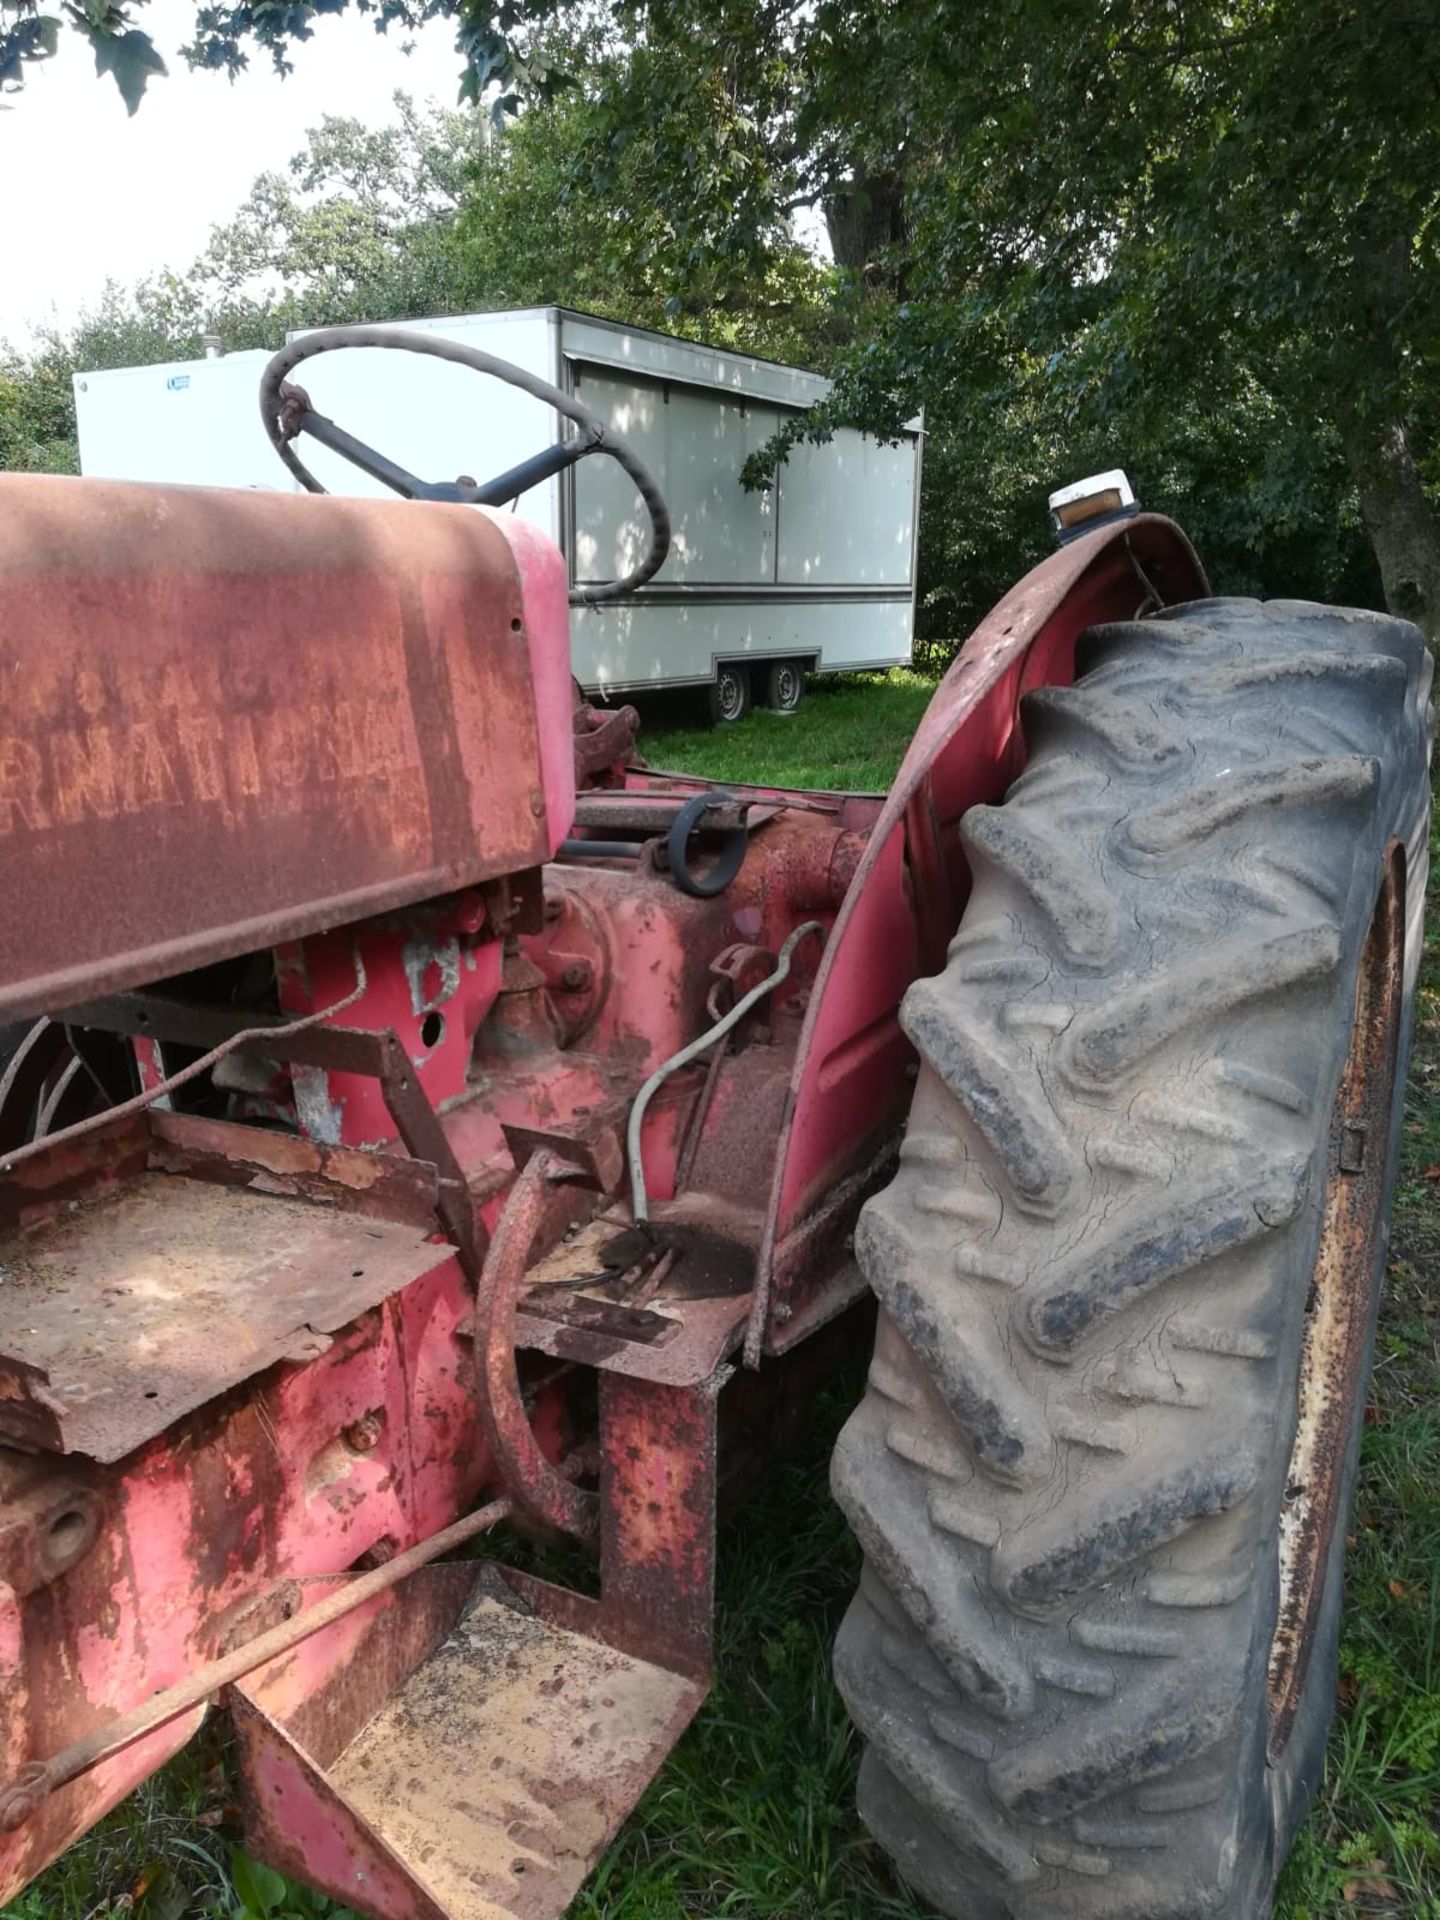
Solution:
(73, 775)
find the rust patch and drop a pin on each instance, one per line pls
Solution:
(657, 1537)
(146, 1302)
(503, 1765)
(338, 691)
(504, 1417)
(369, 1182)
(1343, 1291)
(675, 1334)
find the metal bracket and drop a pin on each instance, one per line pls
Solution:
(376, 1055)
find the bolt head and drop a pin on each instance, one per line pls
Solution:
(15, 1809)
(470, 912)
(29, 1788)
(364, 1435)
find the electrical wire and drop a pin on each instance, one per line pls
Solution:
(246, 1037)
(639, 1199)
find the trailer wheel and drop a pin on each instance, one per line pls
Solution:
(785, 686)
(729, 693)
(1128, 1271)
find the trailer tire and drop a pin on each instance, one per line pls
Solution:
(1128, 1270)
(728, 695)
(785, 685)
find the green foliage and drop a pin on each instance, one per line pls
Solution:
(1139, 209)
(37, 417)
(1268, 501)
(263, 1894)
(360, 226)
(160, 1839)
(123, 51)
(1141, 219)
(27, 37)
(536, 228)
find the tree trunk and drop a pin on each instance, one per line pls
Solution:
(864, 218)
(1399, 519)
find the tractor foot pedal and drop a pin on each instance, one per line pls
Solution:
(455, 1756)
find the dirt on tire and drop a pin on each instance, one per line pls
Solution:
(1070, 1470)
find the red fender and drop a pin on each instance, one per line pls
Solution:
(850, 1086)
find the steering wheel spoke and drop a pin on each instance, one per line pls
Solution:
(359, 455)
(540, 466)
(287, 412)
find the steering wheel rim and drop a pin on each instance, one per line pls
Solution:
(276, 405)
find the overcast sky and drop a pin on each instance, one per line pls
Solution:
(88, 194)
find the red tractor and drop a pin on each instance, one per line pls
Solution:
(417, 1112)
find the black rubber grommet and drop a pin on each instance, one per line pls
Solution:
(728, 862)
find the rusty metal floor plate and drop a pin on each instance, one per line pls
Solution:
(503, 1765)
(674, 1339)
(129, 1309)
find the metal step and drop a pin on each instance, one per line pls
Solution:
(450, 1753)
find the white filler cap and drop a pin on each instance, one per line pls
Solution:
(1102, 496)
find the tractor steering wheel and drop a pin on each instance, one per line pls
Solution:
(287, 412)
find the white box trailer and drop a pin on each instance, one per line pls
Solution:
(190, 422)
(817, 573)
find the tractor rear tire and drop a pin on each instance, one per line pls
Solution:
(1128, 1271)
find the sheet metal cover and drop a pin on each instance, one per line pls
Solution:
(131, 1309)
(232, 718)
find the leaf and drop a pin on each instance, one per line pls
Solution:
(165, 1897)
(1431, 1173)
(1370, 1885)
(260, 1888)
(131, 57)
(136, 59)
(1397, 1589)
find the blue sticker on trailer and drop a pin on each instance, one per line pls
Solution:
(178, 382)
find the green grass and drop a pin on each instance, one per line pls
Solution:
(848, 733)
(752, 1817)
